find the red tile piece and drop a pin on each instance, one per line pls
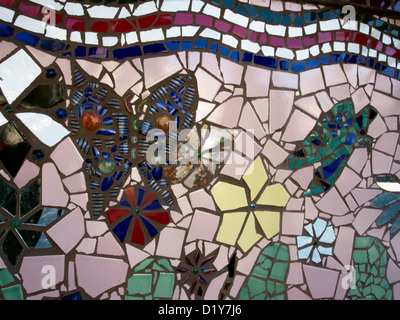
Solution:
(75, 24)
(343, 35)
(7, 3)
(46, 17)
(137, 233)
(29, 10)
(114, 214)
(163, 20)
(361, 39)
(146, 22)
(99, 26)
(121, 25)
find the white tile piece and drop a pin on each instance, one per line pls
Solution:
(257, 26)
(211, 10)
(124, 14)
(74, 9)
(76, 36)
(268, 51)
(27, 23)
(102, 12)
(302, 54)
(350, 25)
(175, 5)
(131, 37)
(353, 47)
(250, 46)
(364, 28)
(17, 72)
(49, 4)
(6, 14)
(284, 53)
(310, 29)
(210, 33)
(276, 30)
(43, 127)
(375, 34)
(91, 38)
(386, 39)
(326, 47)
(151, 35)
(295, 32)
(56, 33)
(229, 40)
(314, 50)
(197, 5)
(329, 25)
(110, 41)
(339, 46)
(189, 31)
(236, 18)
(3, 119)
(173, 32)
(145, 8)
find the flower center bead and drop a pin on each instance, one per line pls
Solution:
(90, 121)
(136, 210)
(15, 223)
(252, 205)
(195, 271)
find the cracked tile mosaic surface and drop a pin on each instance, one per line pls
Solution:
(199, 150)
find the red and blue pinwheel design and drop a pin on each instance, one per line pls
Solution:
(139, 218)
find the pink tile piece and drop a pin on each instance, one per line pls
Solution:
(7, 48)
(280, 106)
(295, 274)
(96, 228)
(364, 195)
(347, 181)
(304, 176)
(249, 121)
(35, 269)
(245, 264)
(377, 127)
(170, 243)
(274, 153)
(311, 211)
(296, 294)
(222, 258)
(208, 85)
(238, 281)
(80, 200)
(26, 173)
(332, 196)
(233, 107)
(341, 92)
(334, 75)
(70, 164)
(235, 166)
(309, 105)
(396, 291)
(203, 227)
(108, 245)
(343, 249)
(292, 223)
(311, 81)
(222, 26)
(135, 255)
(96, 275)
(75, 183)
(67, 232)
(364, 219)
(210, 63)
(262, 108)
(365, 75)
(358, 159)
(383, 84)
(257, 82)
(53, 193)
(193, 60)
(351, 71)
(388, 142)
(214, 288)
(393, 272)
(124, 82)
(299, 126)
(321, 282)
(201, 199)
(232, 72)
(65, 66)
(156, 69)
(295, 204)
(246, 144)
(385, 105)
(381, 163)
(360, 100)
(87, 245)
(91, 68)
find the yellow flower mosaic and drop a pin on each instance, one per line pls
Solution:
(240, 213)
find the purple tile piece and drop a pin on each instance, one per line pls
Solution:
(332, 196)
(344, 245)
(204, 20)
(254, 36)
(276, 42)
(263, 38)
(364, 219)
(294, 43)
(183, 18)
(240, 31)
(296, 294)
(321, 282)
(222, 26)
(325, 37)
(309, 41)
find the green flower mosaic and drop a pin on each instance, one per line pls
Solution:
(267, 280)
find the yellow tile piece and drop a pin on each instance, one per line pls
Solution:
(249, 236)
(228, 196)
(274, 195)
(230, 227)
(255, 177)
(269, 222)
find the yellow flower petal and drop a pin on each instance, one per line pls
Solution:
(255, 177)
(269, 222)
(228, 196)
(249, 236)
(274, 195)
(230, 227)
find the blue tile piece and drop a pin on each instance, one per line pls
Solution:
(235, 55)
(345, 57)
(310, 17)
(121, 228)
(266, 15)
(353, 59)
(324, 60)
(214, 47)
(331, 168)
(241, 11)
(387, 71)
(276, 17)
(228, 3)
(312, 63)
(200, 43)
(80, 52)
(362, 60)
(371, 62)
(336, 57)
(284, 64)
(247, 56)
(298, 66)
(266, 61)
(6, 31)
(225, 51)
(154, 48)
(384, 199)
(252, 11)
(299, 22)
(53, 45)
(173, 45)
(27, 38)
(377, 66)
(186, 45)
(285, 20)
(129, 52)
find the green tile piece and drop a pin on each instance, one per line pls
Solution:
(260, 272)
(165, 263)
(278, 271)
(13, 293)
(143, 264)
(133, 298)
(373, 254)
(139, 284)
(270, 251)
(165, 285)
(244, 294)
(360, 256)
(283, 254)
(6, 277)
(256, 286)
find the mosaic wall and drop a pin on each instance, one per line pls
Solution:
(199, 150)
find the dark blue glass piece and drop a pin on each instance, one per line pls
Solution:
(331, 168)
(228, 4)
(27, 38)
(140, 196)
(332, 125)
(387, 71)
(154, 48)
(150, 228)
(225, 51)
(106, 183)
(37, 154)
(186, 45)
(325, 60)
(299, 153)
(284, 64)
(325, 185)
(6, 31)
(266, 61)
(125, 203)
(73, 296)
(266, 14)
(117, 175)
(148, 175)
(129, 52)
(214, 47)
(121, 228)
(107, 132)
(235, 55)
(157, 173)
(53, 45)
(299, 22)
(312, 63)
(240, 10)
(350, 139)
(200, 43)
(247, 56)
(61, 113)
(285, 20)
(51, 73)
(353, 59)
(317, 142)
(251, 10)
(155, 205)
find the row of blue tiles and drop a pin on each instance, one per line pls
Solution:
(196, 44)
